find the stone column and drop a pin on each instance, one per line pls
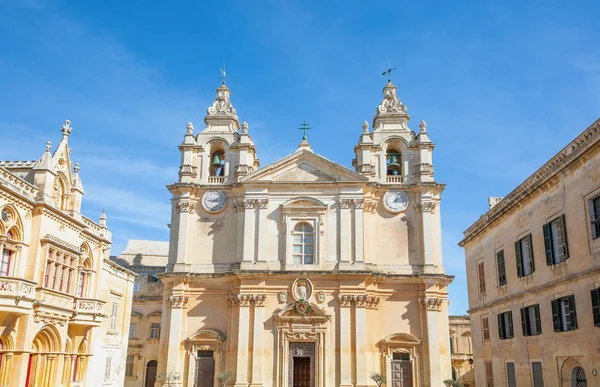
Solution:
(345, 342)
(345, 230)
(249, 235)
(362, 378)
(358, 230)
(263, 205)
(184, 206)
(241, 378)
(176, 326)
(432, 307)
(258, 340)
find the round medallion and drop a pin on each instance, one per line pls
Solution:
(395, 201)
(214, 201)
(302, 289)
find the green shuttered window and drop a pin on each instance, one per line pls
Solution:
(555, 241)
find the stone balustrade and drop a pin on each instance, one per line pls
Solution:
(216, 180)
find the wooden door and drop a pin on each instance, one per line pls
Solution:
(401, 373)
(151, 373)
(302, 372)
(205, 372)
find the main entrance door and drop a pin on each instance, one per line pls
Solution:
(151, 373)
(401, 370)
(301, 372)
(205, 369)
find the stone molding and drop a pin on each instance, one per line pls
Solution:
(186, 206)
(426, 207)
(433, 304)
(320, 297)
(188, 170)
(423, 169)
(575, 149)
(359, 301)
(302, 336)
(47, 317)
(247, 299)
(178, 301)
(282, 297)
(345, 203)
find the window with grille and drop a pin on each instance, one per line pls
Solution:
(555, 241)
(501, 268)
(505, 326)
(489, 374)
(485, 327)
(107, 368)
(481, 277)
(129, 365)
(524, 255)
(133, 330)
(303, 244)
(564, 315)
(114, 315)
(155, 331)
(60, 269)
(531, 321)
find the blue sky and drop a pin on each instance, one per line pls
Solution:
(502, 85)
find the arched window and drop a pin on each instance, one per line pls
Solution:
(392, 162)
(85, 271)
(303, 244)
(217, 163)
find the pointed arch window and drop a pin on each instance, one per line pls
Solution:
(217, 163)
(303, 244)
(60, 270)
(392, 163)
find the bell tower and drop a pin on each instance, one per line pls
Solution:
(392, 153)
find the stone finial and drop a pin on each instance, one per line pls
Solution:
(423, 126)
(190, 128)
(222, 105)
(245, 127)
(48, 146)
(103, 218)
(365, 127)
(391, 103)
(66, 128)
(76, 168)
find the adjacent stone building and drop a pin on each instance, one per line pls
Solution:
(304, 272)
(533, 271)
(461, 348)
(64, 307)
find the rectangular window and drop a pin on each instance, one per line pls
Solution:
(129, 365)
(133, 330)
(531, 321)
(80, 284)
(452, 345)
(524, 255)
(485, 325)
(564, 316)
(136, 287)
(538, 376)
(595, 216)
(489, 374)
(113, 316)
(481, 277)
(596, 306)
(510, 374)
(501, 268)
(107, 368)
(155, 331)
(555, 241)
(5, 263)
(505, 326)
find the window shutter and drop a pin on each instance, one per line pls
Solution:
(501, 267)
(596, 306)
(519, 259)
(548, 244)
(524, 321)
(531, 253)
(555, 316)
(563, 229)
(538, 319)
(511, 332)
(572, 312)
(500, 330)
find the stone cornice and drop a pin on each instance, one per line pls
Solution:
(574, 150)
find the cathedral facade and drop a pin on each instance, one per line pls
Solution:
(304, 272)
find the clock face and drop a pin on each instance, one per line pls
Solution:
(395, 201)
(214, 201)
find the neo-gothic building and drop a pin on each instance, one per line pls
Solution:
(304, 272)
(64, 306)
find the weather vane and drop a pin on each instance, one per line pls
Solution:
(304, 128)
(223, 76)
(388, 73)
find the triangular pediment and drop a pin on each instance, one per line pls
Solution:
(304, 167)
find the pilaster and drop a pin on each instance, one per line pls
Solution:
(358, 230)
(249, 235)
(432, 307)
(263, 208)
(183, 206)
(360, 313)
(425, 208)
(345, 342)
(178, 304)
(258, 340)
(345, 228)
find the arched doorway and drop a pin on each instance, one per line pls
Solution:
(151, 373)
(578, 378)
(41, 370)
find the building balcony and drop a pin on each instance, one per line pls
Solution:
(88, 312)
(216, 180)
(16, 294)
(393, 179)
